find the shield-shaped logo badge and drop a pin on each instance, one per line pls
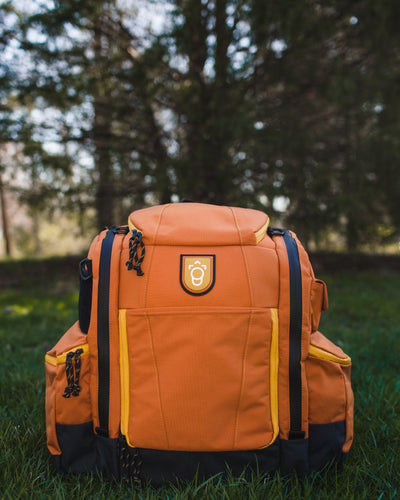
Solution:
(197, 273)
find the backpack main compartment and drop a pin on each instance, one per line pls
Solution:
(197, 350)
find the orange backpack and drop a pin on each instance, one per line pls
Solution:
(197, 350)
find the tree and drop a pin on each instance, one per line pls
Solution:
(264, 104)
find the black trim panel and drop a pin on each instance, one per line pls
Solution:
(103, 332)
(296, 306)
(84, 451)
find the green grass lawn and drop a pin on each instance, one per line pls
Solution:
(364, 319)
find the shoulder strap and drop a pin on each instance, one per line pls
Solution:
(103, 328)
(295, 332)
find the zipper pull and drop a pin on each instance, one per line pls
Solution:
(69, 370)
(77, 358)
(134, 242)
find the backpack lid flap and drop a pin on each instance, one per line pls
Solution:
(198, 224)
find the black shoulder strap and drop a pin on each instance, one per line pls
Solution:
(85, 294)
(103, 327)
(103, 332)
(295, 331)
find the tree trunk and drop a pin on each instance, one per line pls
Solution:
(101, 132)
(8, 245)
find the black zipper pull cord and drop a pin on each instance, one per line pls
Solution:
(135, 240)
(69, 370)
(77, 358)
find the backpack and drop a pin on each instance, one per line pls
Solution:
(197, 352)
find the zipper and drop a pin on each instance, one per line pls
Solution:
(295, 332)
(103, 327)
(273, 376)
(260, 233)
(61, 358)
(317, 352)
(72, 361)
(125, 375)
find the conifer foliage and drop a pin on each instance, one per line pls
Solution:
(284, 106)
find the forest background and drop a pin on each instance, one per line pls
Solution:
(291, 107)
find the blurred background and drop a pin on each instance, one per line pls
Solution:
(289, 106)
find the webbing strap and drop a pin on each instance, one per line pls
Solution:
(103, 332)
(103, 327)
(296, 306)
(295, 331)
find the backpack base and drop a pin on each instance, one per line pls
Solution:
(85, 451)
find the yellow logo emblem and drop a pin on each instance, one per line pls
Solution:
(197, 273)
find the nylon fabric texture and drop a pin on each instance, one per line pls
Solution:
(203, 358)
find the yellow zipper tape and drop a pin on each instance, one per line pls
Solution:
(61, 358)
(273, 375)
(124, 374)
(317, 352)
(260, 233)
(132, 226)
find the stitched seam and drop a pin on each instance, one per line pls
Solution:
(246, 348)
(244, 258)
(147, 274)
(157, 380)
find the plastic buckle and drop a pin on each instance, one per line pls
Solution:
(85, 269)
(297, 435)
(275, 231)
(118, 229)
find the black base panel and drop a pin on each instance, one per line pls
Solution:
(84, 451)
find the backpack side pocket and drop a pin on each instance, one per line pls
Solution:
(331, 401)
(68, 405)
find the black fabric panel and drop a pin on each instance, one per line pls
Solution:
(78, 448)
(294, 456)
(296, 307)
(161, 466)
(103, 333)
(325, 443)
(107, 457)
(85, 294)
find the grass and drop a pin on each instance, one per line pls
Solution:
(364, 319)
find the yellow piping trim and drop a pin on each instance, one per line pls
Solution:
(260, 233)
(61, 358)
(132, 226)
(273, 375)
(124, 374)
(317, 352)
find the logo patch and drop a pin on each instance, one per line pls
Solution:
(197, 273)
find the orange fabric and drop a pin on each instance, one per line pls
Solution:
(72, 337)
(51, 389)
(73, 410)
(322, 342)
(319, 302)
(349, 409)
(203, 224)
(199, 388)
(199, 365)
(330, 394)
(326, 391)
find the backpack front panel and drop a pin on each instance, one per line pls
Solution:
(200, 365)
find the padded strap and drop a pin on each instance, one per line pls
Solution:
(295, 332)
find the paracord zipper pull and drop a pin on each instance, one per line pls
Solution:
(77, 358)
(135, 240)
(69, 370)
